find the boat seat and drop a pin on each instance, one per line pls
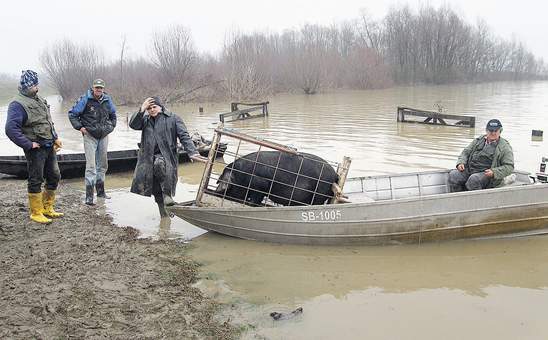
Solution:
(359, 198)
(509, 180)
(514, 179)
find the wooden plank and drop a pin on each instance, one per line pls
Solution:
(342, 171)
(434, 117)
(209, 165)
(244, 113)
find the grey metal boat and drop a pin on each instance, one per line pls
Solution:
(404, 208)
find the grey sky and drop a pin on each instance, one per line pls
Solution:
(28, 26)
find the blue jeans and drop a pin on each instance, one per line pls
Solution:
(96, 159)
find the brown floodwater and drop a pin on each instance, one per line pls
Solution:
(495, 288)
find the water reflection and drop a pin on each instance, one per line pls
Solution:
(142, 213)
(269, 273)
(504, 313)
(164, 230)
(451, 290)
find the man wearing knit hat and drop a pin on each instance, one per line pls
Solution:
(94, 115)
(29, 126)
(485, 162)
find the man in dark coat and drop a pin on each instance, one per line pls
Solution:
(156, 170)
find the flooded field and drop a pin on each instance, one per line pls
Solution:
(493, 288)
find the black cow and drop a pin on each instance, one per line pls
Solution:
(296, 178)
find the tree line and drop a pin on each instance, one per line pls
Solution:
(430, 45)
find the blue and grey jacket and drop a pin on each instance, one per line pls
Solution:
(98, 116)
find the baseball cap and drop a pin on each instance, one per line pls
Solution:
(98, 83)
(493, 125)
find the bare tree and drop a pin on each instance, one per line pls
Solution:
(174, 54)
(72, 68)
(429, 45)
(245, 58)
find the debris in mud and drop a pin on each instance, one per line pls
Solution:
(284, 316)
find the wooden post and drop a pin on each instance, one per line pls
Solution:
(342, 171)
(399, 115)
(209, 166)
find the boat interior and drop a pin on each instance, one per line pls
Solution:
(389, 187)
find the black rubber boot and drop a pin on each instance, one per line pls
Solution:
(100, 186)
(168, 200)
(163, 211)
(89, 195)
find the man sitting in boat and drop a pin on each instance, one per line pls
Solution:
(484, 163)
(156, 169)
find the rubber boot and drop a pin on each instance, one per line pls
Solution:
(163, 211)
(89, 195)
(36, 208)
(48, 199)
(168, 200)
(100, 186)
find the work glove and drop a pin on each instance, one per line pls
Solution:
(57, 145)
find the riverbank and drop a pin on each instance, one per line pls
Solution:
(83, 277)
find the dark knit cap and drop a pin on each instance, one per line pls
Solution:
(157, 101)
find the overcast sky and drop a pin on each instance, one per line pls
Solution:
(27, 26)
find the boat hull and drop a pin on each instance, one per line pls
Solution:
(440, 217)
(74, 165)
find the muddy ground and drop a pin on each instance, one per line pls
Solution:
(83, 277)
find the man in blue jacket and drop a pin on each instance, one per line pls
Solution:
(94, 115)
(29, 126)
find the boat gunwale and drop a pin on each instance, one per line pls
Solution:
(532, 186)
(410, 218)
(343, 236)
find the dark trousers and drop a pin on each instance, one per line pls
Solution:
(158, 178)
(42, 163)
(459, 181)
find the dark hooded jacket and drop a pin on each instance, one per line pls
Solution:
(165, 129)
(98, 116)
